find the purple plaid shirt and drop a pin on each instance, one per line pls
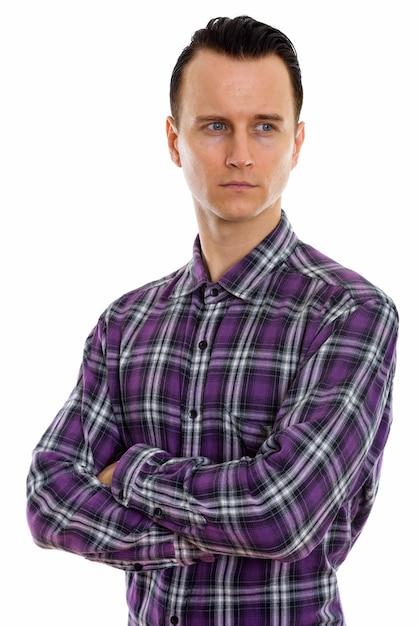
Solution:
(249, 419)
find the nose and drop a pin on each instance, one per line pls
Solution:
(239, 155)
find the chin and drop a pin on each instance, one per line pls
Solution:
(246, 214)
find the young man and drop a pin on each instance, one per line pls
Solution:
(224, 441)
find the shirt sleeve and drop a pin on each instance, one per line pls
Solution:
(68, 508)
(323, 454)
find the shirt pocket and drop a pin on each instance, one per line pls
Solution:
(247, 430)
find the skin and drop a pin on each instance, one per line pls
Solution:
(237, 142)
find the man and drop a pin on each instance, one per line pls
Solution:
(224, 441)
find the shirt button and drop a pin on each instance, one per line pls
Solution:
(203, 345)
(214, 292)
(192, 414)
(158, 512)
(174, 619)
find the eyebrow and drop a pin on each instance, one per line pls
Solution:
(273, 117)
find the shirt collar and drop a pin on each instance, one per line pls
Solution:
(246, 275)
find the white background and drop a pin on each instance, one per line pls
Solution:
(91, 207)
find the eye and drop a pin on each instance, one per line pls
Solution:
(216, 126)
(265, 127)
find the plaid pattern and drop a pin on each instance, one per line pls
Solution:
(249, 419)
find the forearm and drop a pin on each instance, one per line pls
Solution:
(69, 509)
(259, 508)
(243, 508)
(73, 511)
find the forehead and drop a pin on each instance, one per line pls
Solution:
(213, 79)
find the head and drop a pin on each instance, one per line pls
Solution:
(234, 127)
(239, 38)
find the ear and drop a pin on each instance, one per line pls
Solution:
(299, 139)
(172, 140)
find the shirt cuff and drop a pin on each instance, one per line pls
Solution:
(188, 554)
(149, 480)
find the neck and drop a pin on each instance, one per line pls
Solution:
(225, 243)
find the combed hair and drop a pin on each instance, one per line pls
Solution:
(241, 38)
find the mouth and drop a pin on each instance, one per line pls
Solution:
(238, 185)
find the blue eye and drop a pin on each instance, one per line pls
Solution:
(266, 127)
(217, 126)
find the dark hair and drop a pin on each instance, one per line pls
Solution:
(242, 38)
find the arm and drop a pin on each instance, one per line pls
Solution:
(69, 508)
(324, 452)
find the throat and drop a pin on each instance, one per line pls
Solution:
(224, 243)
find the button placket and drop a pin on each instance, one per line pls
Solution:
(210, 314)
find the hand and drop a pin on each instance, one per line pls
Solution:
(106, 475)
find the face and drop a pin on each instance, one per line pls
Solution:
(236, 138)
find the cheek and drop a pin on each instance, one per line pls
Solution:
(198, 166)
(195, 176)
(278, 174)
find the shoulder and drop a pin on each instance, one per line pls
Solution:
(334, 288)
